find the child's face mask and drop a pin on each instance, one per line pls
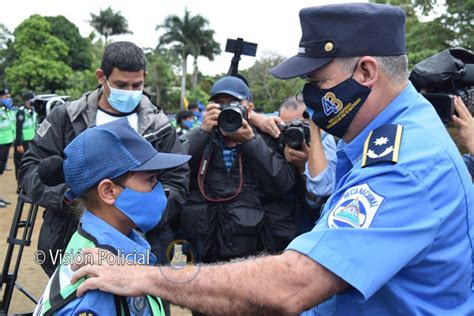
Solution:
(143, 208)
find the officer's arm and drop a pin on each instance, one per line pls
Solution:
(284, 284)
(20, 117)
(275, 174)
(49, 140)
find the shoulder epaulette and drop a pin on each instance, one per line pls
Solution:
(382, 145)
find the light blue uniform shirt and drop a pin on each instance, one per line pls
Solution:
(101, 303)
(411, 251)
(322, 184)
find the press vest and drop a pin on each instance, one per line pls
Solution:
(7, 128)
(29, 125)
(59, 292)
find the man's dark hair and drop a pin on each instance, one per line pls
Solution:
(192, 106)
(124, 56)
(184, 114)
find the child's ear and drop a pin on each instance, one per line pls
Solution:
(107, 191)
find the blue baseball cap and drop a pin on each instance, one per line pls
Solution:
(344, 30)
(109, 151)
(233, 86)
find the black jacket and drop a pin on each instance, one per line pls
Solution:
(246, 224)
(61, 126)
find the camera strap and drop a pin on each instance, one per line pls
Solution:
(204, 166)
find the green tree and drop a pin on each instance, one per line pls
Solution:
(160, 76)
(205, 46)
(7, 54)
(187, 36)
(39, 63)
(108, 23)
(432, 27)
(80, 51)
(269, 92)
(459, 18)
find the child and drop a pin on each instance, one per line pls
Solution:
(113, 170)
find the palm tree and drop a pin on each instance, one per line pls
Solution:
(206, 46)
(189, 36)
(108, 23)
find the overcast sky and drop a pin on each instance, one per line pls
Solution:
(274, 26)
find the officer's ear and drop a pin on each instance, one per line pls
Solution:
(108, 191)
(367, 71)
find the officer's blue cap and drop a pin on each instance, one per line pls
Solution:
(233, 86)
(109, 151)
(344, 30)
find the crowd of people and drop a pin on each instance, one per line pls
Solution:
(360, 215)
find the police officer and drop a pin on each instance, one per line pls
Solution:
(26, 123)
(120, 194)
(396, 236)
(7, 132)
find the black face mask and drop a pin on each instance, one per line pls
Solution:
(335, 108)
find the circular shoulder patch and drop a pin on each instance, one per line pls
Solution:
(356, 208)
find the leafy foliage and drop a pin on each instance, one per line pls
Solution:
(39, 63)
(79, 56)
(269, 92)
(187, 36)
(108, 23)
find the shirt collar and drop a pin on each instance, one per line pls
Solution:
(107, 235)
(354, 149)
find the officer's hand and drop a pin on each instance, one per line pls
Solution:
(19, 149)
(298, 158)
(242, 135)
(119, 278)
(465, 123)
(267, 124)
(209, 120)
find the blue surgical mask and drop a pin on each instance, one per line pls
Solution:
(188, 124)
(143, 208)
(124, 101)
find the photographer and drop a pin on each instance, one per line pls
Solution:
(316, 163)
(465, 123)
(234, 177)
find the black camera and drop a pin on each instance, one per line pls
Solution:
(294, 133)
(444, 75)
(231, 116)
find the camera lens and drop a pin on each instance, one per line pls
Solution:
(230, 120)
(293, 137)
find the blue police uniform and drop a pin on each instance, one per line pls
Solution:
(102, 303)
(399, 227)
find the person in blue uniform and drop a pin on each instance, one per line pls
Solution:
(396, 236)
(113, 170)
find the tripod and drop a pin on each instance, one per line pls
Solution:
(7, 278)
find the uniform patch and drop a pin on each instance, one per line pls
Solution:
(382, 144)
(356, 208)
(86, 313)
(43, 129)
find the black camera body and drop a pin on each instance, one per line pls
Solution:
(444, 75)
(294, 133)
(231, 116)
